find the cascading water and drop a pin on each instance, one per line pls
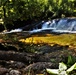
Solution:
(43, 26)
(46, 26)
(65, 25)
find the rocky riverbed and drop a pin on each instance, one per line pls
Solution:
(17, 62)
(17, 58)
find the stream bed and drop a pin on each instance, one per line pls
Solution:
(15, 60)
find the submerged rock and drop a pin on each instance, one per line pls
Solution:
(14, 72)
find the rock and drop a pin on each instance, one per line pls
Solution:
(2, 47)
(40, 66)
(3, 71)
(16, 56)
(16, 64)
(14, 72)
(48, 49)
(12, 64)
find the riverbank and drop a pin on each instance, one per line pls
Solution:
(22, 58)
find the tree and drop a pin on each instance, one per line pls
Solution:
(12, 10)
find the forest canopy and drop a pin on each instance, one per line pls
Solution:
(12, 10)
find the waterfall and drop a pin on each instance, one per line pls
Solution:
(46, 25)
(64, 25)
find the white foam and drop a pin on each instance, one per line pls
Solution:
(16, 30)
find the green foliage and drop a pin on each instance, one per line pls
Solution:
(63, 70)
(71, 60)
(11, 10)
